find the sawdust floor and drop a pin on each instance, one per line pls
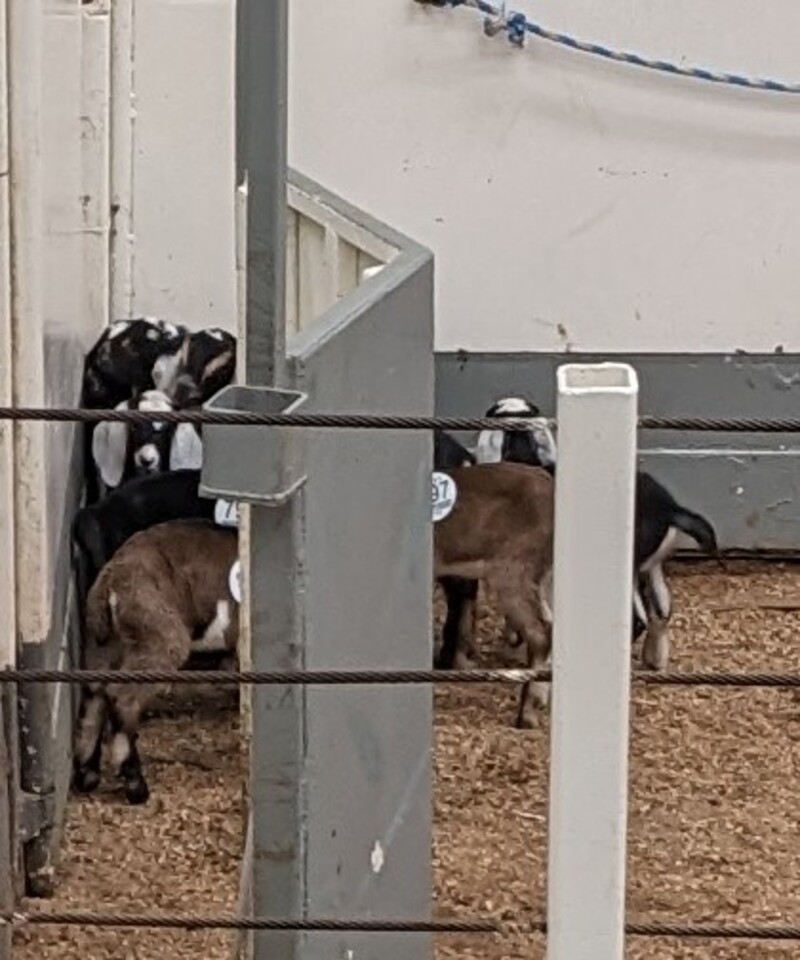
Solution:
(179, 852)
(715, 791)
(714, 803)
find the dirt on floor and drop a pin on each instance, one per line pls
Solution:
(713, 806)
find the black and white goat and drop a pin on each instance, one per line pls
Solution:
(204, 364)
(121, 451)
(534, 446)
(659, 523)
(120, 364)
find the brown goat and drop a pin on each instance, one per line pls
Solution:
(500, 530)
(164, 593)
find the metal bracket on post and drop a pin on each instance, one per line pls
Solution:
(593, 603)
(260, 465)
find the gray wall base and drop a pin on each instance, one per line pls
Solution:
(746, 484)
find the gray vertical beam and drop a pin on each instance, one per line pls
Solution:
(278, 712)
(261, 98)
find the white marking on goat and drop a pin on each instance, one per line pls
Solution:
(235, 581)
(154, 400)
(113, 601)
(216, 333)
(120, 749)
(216, 364)
(165, 371)
(153, 335)
(376, 858)
(665, 550)
(214, 637)
(489, 448)
(118, 327)
(186, 449)
(546, 596)
(147, 458)
(512, 406)
(638, 605)
(661, 591)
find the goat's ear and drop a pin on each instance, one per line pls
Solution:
(109, 448)
(186, 449)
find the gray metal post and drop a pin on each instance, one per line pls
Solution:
(278, 713)
(261, 97)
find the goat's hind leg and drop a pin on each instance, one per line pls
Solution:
(125, 716)
(526, 615)
(458, 632)
(658, 598)
(88, 744)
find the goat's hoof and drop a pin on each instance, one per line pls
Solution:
(85, 781)
(136, 792)
(463, 662)
(656, 666)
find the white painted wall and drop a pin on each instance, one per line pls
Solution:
(58, 269)
(174, 172)
(569, 201)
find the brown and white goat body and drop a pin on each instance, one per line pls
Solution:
(500, 530)
(164, 594)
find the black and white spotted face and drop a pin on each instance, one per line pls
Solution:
(119, 365)
(150, 442)
(536, 446)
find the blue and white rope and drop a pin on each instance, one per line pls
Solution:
(517, 26)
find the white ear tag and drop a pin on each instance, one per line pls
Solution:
(443, 495)
(226, 513)
(235, 581)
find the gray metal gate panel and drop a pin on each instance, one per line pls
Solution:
(367, 604)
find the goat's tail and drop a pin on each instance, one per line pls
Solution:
(699, 529)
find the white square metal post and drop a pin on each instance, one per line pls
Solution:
(593, 600)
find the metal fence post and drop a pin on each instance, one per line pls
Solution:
(593, 578)
(278, 719)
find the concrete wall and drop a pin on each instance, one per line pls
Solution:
(58, 102)
(570, 202)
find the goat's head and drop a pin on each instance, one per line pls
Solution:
(534, 446)
(120, 363)
(150, 447)
(205, 363)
